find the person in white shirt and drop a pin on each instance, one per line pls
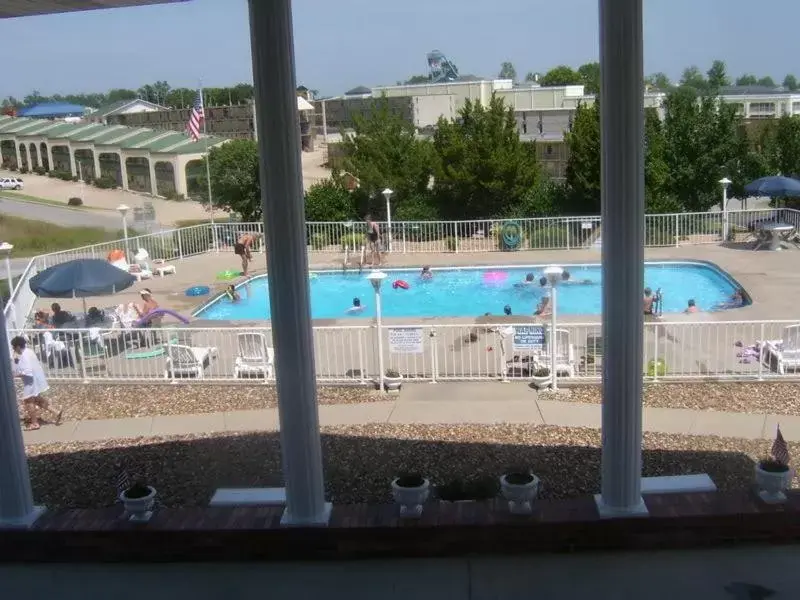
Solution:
(34, 384)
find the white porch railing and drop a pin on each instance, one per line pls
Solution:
(734, 350)
(486, 235)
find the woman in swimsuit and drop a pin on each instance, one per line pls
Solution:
(374, 239)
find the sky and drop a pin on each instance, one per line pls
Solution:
(340, 44)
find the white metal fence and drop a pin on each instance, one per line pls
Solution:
(545, 233)
(735, 350)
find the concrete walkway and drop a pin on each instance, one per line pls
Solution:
(408, 410)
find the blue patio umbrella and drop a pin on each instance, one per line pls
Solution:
(775, 186)
(80, 279)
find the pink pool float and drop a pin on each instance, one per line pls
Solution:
(494, 276)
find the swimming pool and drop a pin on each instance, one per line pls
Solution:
(465, 292)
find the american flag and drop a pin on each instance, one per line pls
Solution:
(196, 117)
(123, 482)
(780, 450)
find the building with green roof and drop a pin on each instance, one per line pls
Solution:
(154, 161)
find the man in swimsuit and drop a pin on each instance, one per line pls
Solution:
(242, 248)
(374, 240)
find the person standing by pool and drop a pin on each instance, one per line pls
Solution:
(242, 248)
(28, 368)
(374, 241)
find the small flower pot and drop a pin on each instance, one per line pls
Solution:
(392, 384)
(520, 489)
(139, 508)
(410, 493)
(541, 382)
(772, 482)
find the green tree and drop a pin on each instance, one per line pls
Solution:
(783, 146)
(384, 151)
(746, 80)
(659, 81)
(117, 95)
(656, 170)
(693, 78)
(583, 165)
(530, 76)
(329, 201)
(701, 144)
(767, 81)
(483, 169)
(790, 82)
(507, 71)
(417, 79)
(561, 75)
(718, 75)
(235, 179)
(590, 77)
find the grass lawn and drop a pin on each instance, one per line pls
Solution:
(36, 237)
(28, 198)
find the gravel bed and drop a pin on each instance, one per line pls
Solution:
(361, 460)
(763, 397)
(83, 402)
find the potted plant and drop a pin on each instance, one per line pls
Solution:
(392, 380)
(138, 500)
(773, 474)
(520, 488)
(410, 491)
(541, 377)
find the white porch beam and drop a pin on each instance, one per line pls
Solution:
(281, 173)
(622, 196)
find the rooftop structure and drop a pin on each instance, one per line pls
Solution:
(26, 8)
(52, 110)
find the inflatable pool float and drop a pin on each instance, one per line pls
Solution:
(198, 290)
(494, 276)
(312, 276)
(399, 283)
(228, 275)
(115, 255)
(511, 234)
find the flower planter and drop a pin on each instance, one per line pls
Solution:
(541, 382)
(772, 483)
(410, 493)
(141, 508)
(392, 384)
(520, 489)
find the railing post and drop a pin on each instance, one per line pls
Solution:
(677, 231)
(655, 352)
(761, 354)
(434, 359)
(361, 366)
(568, 228)
(170, 365)
(79, 355)
(404, 237)
(180, 244)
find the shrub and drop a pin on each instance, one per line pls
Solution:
(656, 367)
(105, 182)
(75, 178)
(318, 241)
(329, 201)
(41, 171)
(38, 170)
(23, 170)
(74, 202)
(64, 175)
(451, 243)
(351, 240)
(551, 236)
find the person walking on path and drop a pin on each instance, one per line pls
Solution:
(34, 384)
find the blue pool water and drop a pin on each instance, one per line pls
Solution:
(466, 292)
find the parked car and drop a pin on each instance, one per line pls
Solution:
(11, 183)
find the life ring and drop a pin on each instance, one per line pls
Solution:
(115, 255)
(198, 290)
(228, 275)
(399, 283)
(511, 233)
(494, 276)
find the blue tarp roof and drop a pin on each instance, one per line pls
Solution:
(52, 109)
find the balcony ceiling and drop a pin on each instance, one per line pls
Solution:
(27, 8)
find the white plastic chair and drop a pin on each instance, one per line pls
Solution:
(565, 353)
(255, 358)
(187, 361)
(784, 353)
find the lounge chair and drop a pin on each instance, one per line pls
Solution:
(255, 358)
(187, 361)
(783, 355)
(135, 270)
(565, 353)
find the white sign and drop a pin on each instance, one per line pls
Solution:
(407, 340)
(586, 225)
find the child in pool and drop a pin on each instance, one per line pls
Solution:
(356, 308)
(426, 274)
(231, 293)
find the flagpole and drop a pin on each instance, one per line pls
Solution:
(208, 173)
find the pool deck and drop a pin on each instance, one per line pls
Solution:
(771, 278)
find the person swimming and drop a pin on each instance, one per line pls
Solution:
(231, 293)
(356, 307)
(507, 310)
(735, 301)
(529, 280)
(691, 306)
(567, 280)
(426, 274)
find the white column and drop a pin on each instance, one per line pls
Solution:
(284, 226)
(16, 497)
(73, 161)
(50, 163)
(153, 181)
(19, 156)
(96, 160)
(123, 170)
(622, 195)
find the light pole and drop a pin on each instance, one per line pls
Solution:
(387, 193)
(6, 249)
(553, 275)
(725, 182)
(123, 210)
(376, 279)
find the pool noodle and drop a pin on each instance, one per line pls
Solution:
(160, 311)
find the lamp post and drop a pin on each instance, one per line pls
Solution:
(123, 210)
(387, 193)
(376, 279)
(725, 182)
(553, 275)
